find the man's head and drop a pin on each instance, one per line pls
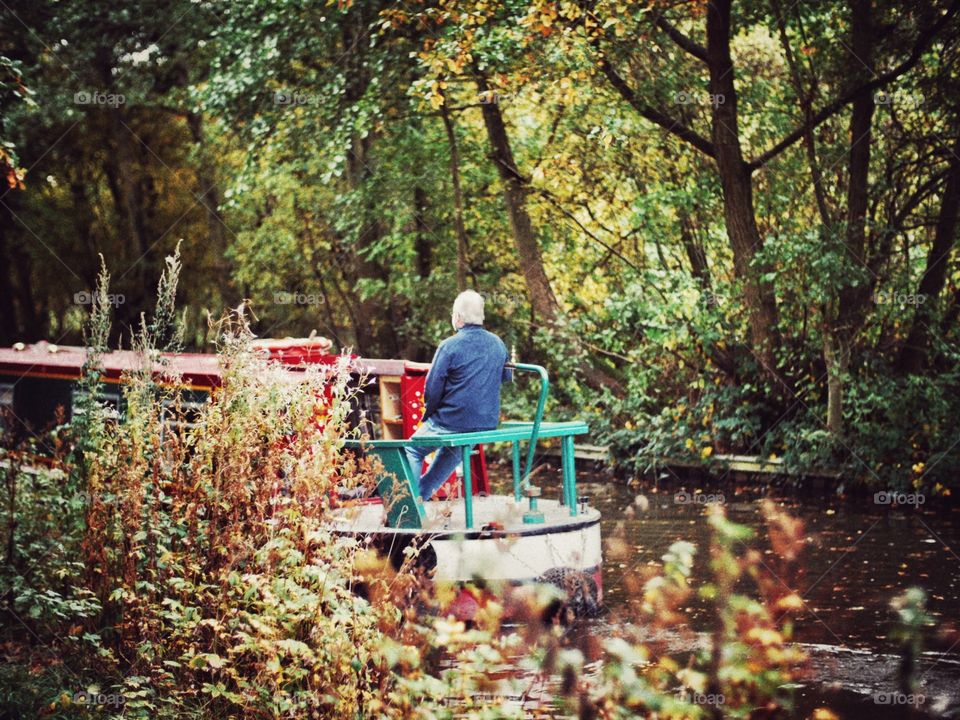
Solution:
(467, 309)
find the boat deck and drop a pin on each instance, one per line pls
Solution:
(493, 515)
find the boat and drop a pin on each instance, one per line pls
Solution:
(476, 542)
(488, 546)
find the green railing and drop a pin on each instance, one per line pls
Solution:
(524, 480)
(400, 490)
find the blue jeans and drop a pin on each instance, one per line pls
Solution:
(446, 461)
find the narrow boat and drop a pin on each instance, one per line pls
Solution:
(478, 541)
(474, 539)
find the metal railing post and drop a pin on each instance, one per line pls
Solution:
(541, 403)
(516, 470)
(467, 487)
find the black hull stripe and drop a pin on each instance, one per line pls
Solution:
(514, 582)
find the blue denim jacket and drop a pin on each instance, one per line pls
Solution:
(463, 385)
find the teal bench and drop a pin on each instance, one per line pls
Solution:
(400, 490)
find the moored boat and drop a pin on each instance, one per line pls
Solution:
(471, 539)
(504, 540)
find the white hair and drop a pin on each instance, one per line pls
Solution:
(469, 307)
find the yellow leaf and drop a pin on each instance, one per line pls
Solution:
(790, 602)
(824, 714)
(764, 636)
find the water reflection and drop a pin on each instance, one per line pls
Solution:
(859, 556)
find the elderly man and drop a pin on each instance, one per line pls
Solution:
(463, 390)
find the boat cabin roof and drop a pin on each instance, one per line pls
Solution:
(196, 369)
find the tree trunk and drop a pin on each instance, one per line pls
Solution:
(913, 354)
(209, 189)
(805, 97)
(34, 323)
(841, 329)
(124, 179)
(735, 179)
(422, 248)
(542, 299)
(836, 355)
(9, 330)
(696, 255)
(378, 318)
(543, 303)
(463, 261)
(854, 296)
(18, 303)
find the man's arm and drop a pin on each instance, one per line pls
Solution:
(507, 374)
(436, 379)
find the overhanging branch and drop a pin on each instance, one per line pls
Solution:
(825, 113)
(671, 125)
(683, 41)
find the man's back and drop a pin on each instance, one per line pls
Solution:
(463, 386)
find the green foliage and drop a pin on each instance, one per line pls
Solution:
(194, 574)
(304, 152)
(913, 624)
(46, 515)
(748, 659)
(193, 571)
(12, 92)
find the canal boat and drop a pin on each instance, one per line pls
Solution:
(476, 542)
(474, 539)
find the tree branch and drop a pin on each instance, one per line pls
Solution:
(692, 47)
(674, 127)
(547, 195)
(825, 113)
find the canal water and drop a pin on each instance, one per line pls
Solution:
(860, 554)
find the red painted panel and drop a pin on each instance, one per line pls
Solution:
(412, 384)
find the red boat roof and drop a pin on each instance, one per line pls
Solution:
(196, 369)
(66, 362)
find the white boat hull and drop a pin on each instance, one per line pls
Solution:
(500, 548)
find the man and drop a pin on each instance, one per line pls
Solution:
(462, 392)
